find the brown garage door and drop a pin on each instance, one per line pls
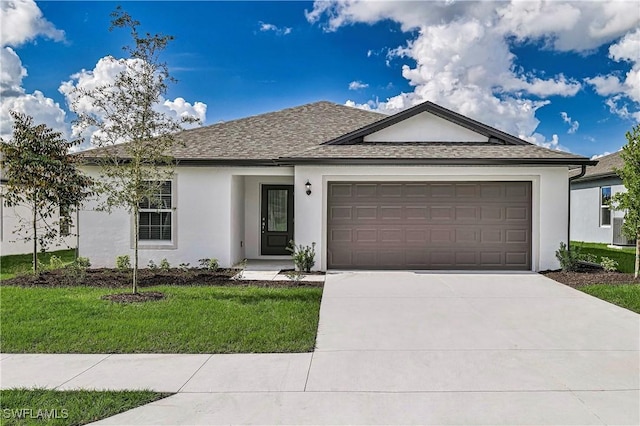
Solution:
(429, 225)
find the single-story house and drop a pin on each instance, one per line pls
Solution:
(592, 220)
(426, 188)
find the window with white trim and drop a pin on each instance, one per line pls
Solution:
(155, 216)
(605, 209)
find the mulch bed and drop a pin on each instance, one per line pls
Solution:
(591, 276)
(113, 278)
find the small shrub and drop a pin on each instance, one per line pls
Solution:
(76, 272)
(609, 265)
(55, 262)
(152, 265)
(303, 256)
(164, 265)
(210, 264)
(123, 262)
(184, 266)
(83, 262)
(589, 257)
(568, 258)
(295, 276)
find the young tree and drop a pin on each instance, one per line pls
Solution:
(630, 201)
(42, 175)
(133, 136)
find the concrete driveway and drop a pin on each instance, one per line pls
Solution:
(443, 348)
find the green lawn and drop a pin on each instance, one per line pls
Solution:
(20, 263)
(198, 319)
(625, 256)
(627, 296)
(50, 407)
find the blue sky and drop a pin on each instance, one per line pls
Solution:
(564, 75)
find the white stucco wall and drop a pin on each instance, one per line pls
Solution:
(585, 215)
(237, 219)
(12, 240)
(425, 127)
(216, 211)
(549, 200)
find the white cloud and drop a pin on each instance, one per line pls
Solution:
(462, 58)
(574, 125)
(105, 73)
(264, 27)
(357, 85)
(622, 94)
(22, 21)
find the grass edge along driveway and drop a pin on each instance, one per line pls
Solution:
(53, 407)
(192, 319)
(626, 295)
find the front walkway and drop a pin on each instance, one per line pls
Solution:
(396, 348)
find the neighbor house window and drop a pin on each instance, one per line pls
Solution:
(155, 217)
(605, 210)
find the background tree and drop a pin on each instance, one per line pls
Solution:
(42, 175)
(133, 136)
(630, 201)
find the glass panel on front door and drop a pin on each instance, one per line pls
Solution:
(277, 210)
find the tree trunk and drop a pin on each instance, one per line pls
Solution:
(35, 240)
(136, 218)
(637, 255)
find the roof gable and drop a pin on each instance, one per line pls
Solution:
(425, 127)
(405, 124)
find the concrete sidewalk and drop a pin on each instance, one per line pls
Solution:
(396, 348)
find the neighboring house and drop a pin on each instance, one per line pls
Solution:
(592, 220)
(426, 188)
(12, 242)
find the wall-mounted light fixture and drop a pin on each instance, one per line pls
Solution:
(308, 186)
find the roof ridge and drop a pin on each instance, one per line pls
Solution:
(280, 111)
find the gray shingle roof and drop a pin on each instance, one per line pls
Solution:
(605, 167)
(273, 135)
(298, 134)
(465, 152)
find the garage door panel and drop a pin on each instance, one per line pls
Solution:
(425, 225)
(392, 236)
(337, 213)
(441, 236)
(517, 213)
(366, 235)
(491, 236)
(365, 190)
(467, 236)
(413, 190)
(414, 235)
(517, 236)
(337, 191)
(466, 191)
(341, 235)
(442, 190)
(516, 258)
(416, 213)
(441, 213)
(366, 213)
(491, 258)
(391, 213)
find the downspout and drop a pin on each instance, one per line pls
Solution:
(571, 179)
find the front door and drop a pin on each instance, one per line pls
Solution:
(276, 219)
